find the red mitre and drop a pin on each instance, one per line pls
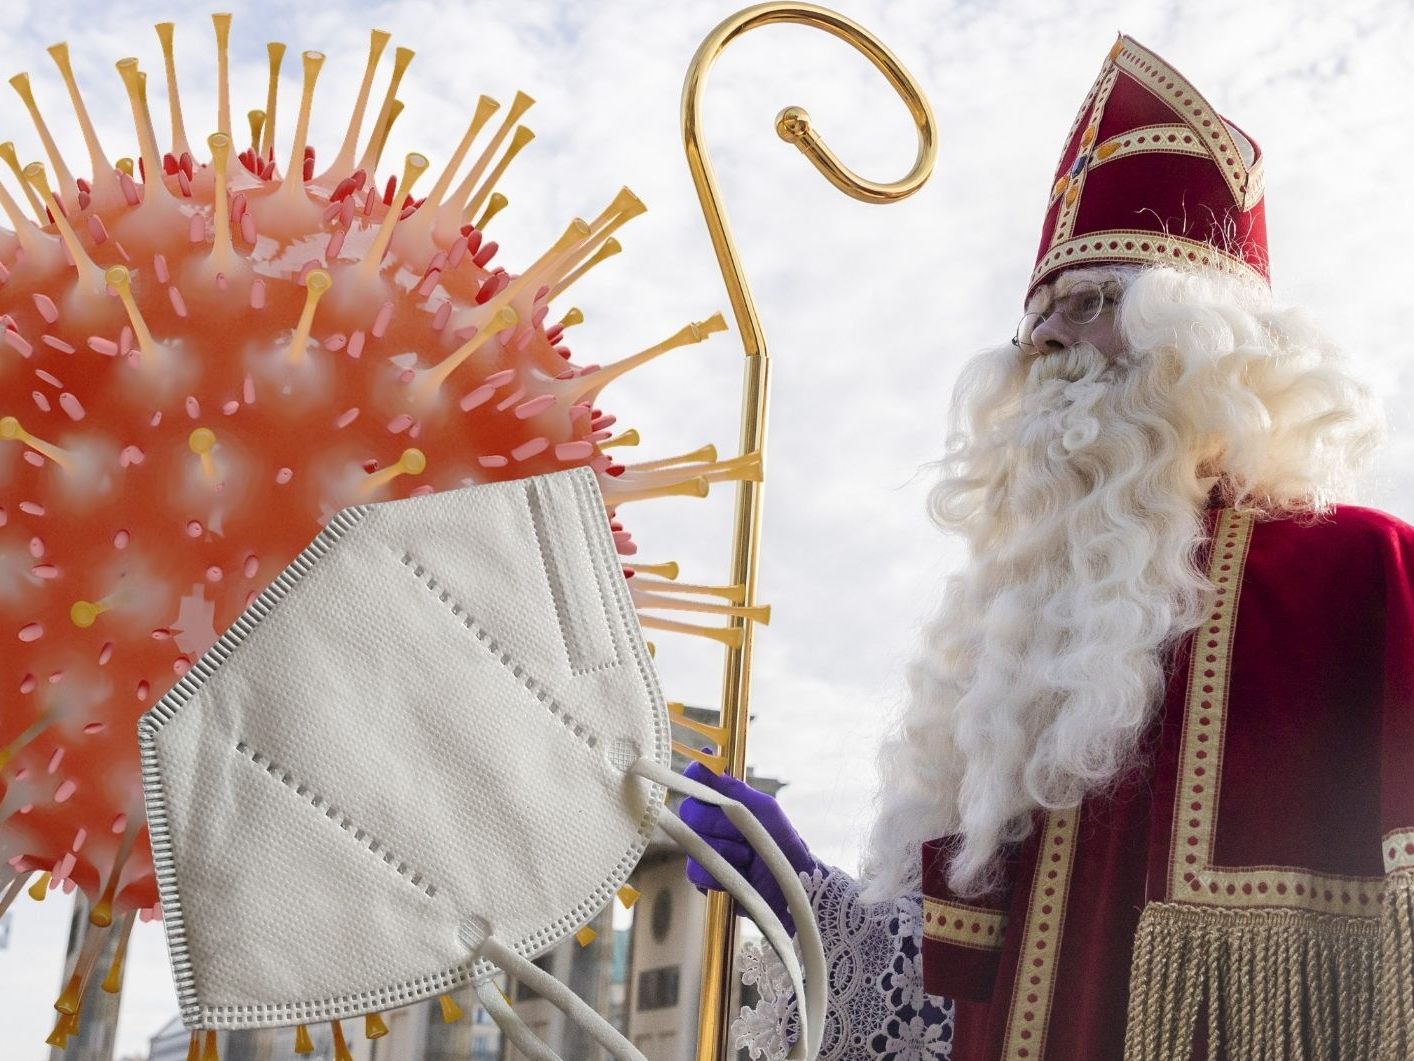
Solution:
(1152, 174)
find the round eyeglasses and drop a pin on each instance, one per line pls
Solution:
(1082, 304)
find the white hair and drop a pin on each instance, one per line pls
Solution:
(1079, 485)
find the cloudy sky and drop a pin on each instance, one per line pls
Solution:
(869, 311)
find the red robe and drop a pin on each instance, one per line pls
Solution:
(1248, 892)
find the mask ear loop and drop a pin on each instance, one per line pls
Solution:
(514, 1029)
(560, 996)
(810, 996)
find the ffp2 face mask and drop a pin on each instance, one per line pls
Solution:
(433, 747)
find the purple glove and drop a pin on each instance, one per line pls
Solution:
(712, 824)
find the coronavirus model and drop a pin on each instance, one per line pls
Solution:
(203, 359)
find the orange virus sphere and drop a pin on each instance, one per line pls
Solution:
(204, 360)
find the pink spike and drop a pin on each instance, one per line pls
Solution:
(66, 789)
(36, 547)
(443, 314)
(159, 269)
(283, 476)
(57, 344)
(335, 244)
(104, 655)
(40, 400)
(18, 342)
(535, 406)
(100, 345)
(231, 407)
(121, 539)
(400, 423)
(44, 571)
(46, 307)
(492, 461)
(179, 305)
(257, 295)
(120, 823)
(31, 508)
(130, 192)
(248, 390)
(55, 760)
(510, 399)
(336, 342)
(48, 377)
(356, 344)
(526, 450)
(71, 406)
(345, 418)
(381, 322)
(480, 396)
(184, 183)
(346, 212)
(196, 229)
(248, 227)
(193, 407)
(569, 451)
(31, 632)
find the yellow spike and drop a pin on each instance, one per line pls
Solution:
(611, 246)
(93, 939)
(154, 185)
(377, 146)
(624, 207)
(495, 206)
(292, 186)
(412, 462)
(716, 734)
(378, 40)
(316, 283)
(126, 166)
(209, 1052)
(84, 613)
(303, 1045)
(201, 442)
(693, 486)
(121, 281)
(276, 51)
(577, 388)
(98, 160)
(628, 438)
(223, 257)
(341, 1048)
(401, 58)
(702, 453)
(12, 891)
(67, 187)
(628, 895)
(7, 152)
(573, 317)
(454, 203)
(413, 167)
(585, 936)
(64, 1027)
(450, 1010)
(745, 467)
(715, 763)
(113, 982)
(666, 570)
(257, 123)
(222, 22)
(373, 1026)
(174, 100)
(652, 650)
(523, 135)
(103, 910)
(12, 749)
(736, 594)
(40, 888)
(10, 430)
(760, 613)
(194, 1046)
(485, 107)
(727, 635)
(505, 317)
(89, 273)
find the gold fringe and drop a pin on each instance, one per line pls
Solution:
(1395, 991)
(1269, 984)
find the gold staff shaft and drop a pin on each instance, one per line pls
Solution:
(793, 125)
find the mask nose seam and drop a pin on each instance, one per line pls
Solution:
(363, 837)
(580, 730)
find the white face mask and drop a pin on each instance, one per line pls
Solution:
(433, 748)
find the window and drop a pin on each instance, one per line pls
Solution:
(658, 988)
